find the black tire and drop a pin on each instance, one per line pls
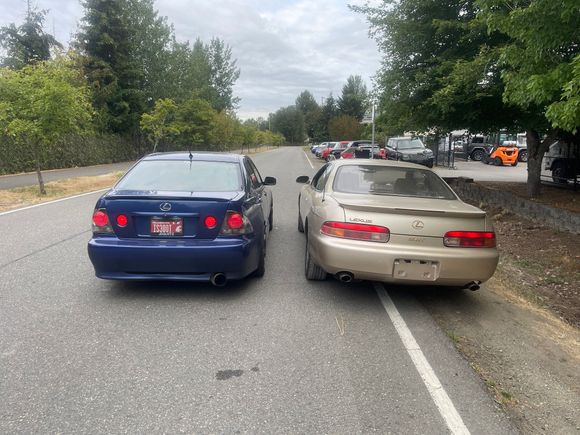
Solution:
(559, 173)
(261, 270)
(515, 163)
(497, 161)
(523, 156)
(477, 155)
(429, 164)
(312, 270)
(271, 219)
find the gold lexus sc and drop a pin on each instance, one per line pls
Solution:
(393, 222)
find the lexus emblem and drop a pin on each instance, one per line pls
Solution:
(418, 225)
(165, 206)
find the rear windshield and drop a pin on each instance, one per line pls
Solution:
(183, 176)
(403, 144)
(392, 181)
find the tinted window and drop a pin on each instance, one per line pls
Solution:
(408, 143)
(385, 180)
(183, 176)
(253, 174)
(319, 179)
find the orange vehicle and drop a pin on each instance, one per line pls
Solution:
(501, 155)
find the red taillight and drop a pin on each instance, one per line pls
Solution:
(469, 239)
(369, 233)
(100, 218)
(210, 222)
(122, 220)
(101, 224)
(236, 224)
(235, 221)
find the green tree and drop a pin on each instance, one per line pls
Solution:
(160, 124)
(306, 103)
(224, 75)
(42, 103)
(115, 76)
(344, 127)
(194, 120)
(289, 122)
(28, 42)
(353, 101)
(440, 67)
(151, 40)
(540, 63)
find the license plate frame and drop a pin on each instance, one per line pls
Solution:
(166, 227)
(415, 270)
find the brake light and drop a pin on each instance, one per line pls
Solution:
(236, 224)
(469, 239)
(235, 221)
(344, 230)
(101, 224)
(122, 220)
(210, 222)
(100, 218)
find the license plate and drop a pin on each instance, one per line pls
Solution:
(166, 227)
(416, 270)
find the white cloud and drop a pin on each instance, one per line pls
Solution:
(282, 47)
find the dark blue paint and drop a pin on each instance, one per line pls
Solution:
(132, 254)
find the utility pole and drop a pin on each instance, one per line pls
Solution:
(373, 134)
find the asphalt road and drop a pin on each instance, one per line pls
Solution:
(30, 178)
(81, 355)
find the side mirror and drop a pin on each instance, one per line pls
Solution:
(303, 179)
(269, 181)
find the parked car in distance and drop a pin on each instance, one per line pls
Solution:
(563, 161)
(361, 152)
(182, 216)
(325, 152)
(409, 149)
(339, 148)
(395, 222)
(477, 147)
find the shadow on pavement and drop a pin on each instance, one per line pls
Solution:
(186, 290)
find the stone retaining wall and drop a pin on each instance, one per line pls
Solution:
(557, 218)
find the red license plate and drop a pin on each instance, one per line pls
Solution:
(166, 226)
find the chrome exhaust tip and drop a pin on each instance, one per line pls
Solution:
(473, 286)
(345, 277)
(218, 279)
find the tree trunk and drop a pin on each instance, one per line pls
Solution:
(536, 150)
(40, 180)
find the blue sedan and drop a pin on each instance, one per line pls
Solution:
(184, 216)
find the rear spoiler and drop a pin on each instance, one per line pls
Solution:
(413, 211)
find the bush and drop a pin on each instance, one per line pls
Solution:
(69, 152)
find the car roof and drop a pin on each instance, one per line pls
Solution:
(403, 137)
(378, 162)
(196, 156)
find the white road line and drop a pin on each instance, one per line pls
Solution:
(53, 202)
(309, 162)
(430, 379)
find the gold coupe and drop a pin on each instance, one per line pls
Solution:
(394, 222)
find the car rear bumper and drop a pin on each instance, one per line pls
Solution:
(377, 261)
(179, 260)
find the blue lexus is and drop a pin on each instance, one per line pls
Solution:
(184, 216)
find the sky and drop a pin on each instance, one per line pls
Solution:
(281, 47)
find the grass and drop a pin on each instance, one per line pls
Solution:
(24, 196)
(502, 397)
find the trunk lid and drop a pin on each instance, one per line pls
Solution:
(410, 216)
(141, 207)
